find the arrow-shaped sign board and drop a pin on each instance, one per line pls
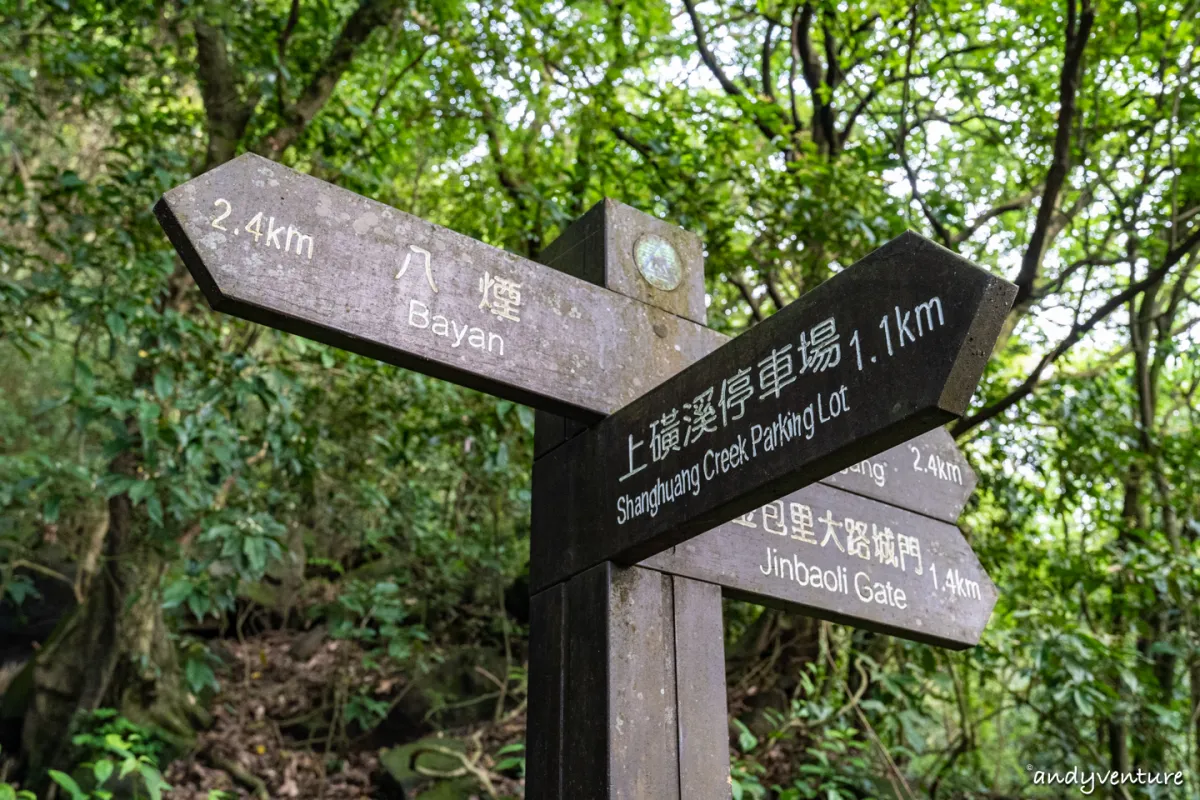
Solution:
(887, 349)
(927, 475)
(845, 557)
(293, 252)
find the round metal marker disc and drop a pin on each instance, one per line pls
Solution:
(657, 261)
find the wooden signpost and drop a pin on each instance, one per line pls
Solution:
(887, 349)
(831, 554)
(274, 246)
(695, 440)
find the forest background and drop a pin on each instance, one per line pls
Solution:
(271, 558)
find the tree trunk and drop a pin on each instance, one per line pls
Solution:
(1195, 680)
(113, 651)
(1131, 518)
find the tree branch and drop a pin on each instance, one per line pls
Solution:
(775, 291)
(226, 111)
(1078, 331)
(748, 296)
(642, 149)
(767, 83)
(1015, 204)
(707, 56)
(369, 15)
(391, 87)
(802, 48)
(833, 70)
(855, 113)
(285, 36)
(901, 140)
(1072, 72)
(792, 63)
(710, 61)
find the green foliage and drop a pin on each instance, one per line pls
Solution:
(112, 747)
(104, 728)
(395, 507)
(373, 614)
(513, 759)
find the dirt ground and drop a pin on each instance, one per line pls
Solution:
(271, 695)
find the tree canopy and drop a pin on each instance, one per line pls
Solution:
(184, 472)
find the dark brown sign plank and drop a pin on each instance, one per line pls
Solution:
(927, 474)
(700, 691)
(293, 252)
(838, 556)
(890, 348)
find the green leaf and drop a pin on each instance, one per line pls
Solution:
(154, 509)
(198, 605)
(115, 743)
(526, 416)
(50, 509)
(746, 740)
(200, 675)
(128, 766)
(70, 180)
(176, 593)
(164, 383)
(140, 491)
(68, 783)
(255, 550)
(102, 769)
(117, 484)
(155, 784)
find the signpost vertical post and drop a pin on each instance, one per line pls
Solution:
(627, 665)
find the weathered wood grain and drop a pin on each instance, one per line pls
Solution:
(643, 718)
(620, 735)
(914, 325)
(293, 252)
(585, 739)
(700, 677)
(599, 248)
(902, 573)
(547, 671)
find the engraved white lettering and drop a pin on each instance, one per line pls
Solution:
(418, 310)
(455, 333)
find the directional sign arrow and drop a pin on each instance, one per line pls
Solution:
(927, 475)
(293, 252)
(887, 349)
(839, 556)
(891, 570)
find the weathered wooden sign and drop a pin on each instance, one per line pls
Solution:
(851, 549)
(926, 474)
(896, 509)
(889, 348)
(293, 252)
(839, 556)
(626, 668)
